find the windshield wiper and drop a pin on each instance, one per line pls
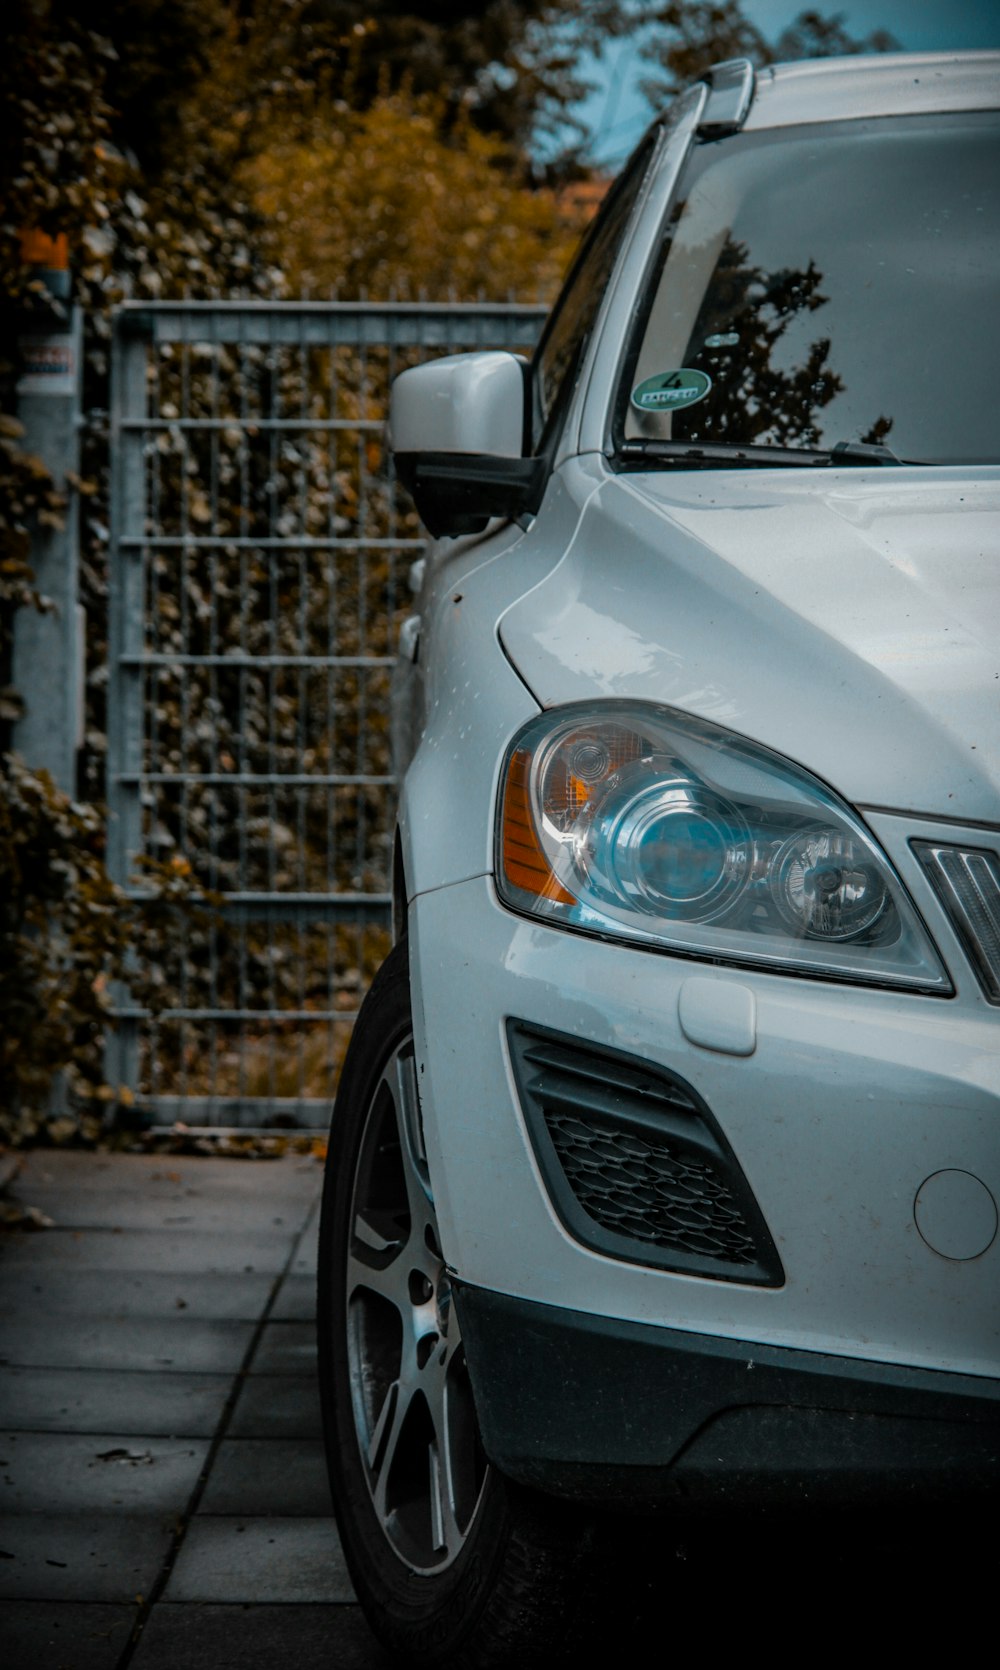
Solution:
(707, 455)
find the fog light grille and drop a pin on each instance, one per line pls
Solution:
(634, 1162)
(967, 881)
(648, 1191)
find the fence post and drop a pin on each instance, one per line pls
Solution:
(48, 649)
(127, 582)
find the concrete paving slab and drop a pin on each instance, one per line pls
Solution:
(304, 1263)
(148, 1206)
(97, 1400)
(286, 1348)
(178, 1342)
(296, 1300)
(125, 1293)
(143, 1211)
(151, 1249)
(78, 1172)
(258, 1638)
(268, 1476)
(260, 1560)
(276, 1406)
(63, 1635)
(57, 1472)
(107, 1557)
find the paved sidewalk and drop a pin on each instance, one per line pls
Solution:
(163, 1497)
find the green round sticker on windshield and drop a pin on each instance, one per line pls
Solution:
(669, 391)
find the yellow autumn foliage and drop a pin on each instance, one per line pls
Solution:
(377, 202)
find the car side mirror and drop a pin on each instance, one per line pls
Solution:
(459, 432)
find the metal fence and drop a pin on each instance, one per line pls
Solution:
(260, 551)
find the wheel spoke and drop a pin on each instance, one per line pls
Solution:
(438, 1516)
(388, 1433)
(387, 1280)
(382, 1425)
(378, 1232)
(418, 1444)
(446, 1533)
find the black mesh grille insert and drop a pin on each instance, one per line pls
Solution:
(635, 1163)
(650, 1191)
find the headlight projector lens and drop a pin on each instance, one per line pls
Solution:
(673, 850)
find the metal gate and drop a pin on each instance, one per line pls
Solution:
(260, 550)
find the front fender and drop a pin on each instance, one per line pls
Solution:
(474, 700)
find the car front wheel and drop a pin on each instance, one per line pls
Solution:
(451, 1563)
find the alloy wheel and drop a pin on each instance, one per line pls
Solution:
(413, 1413)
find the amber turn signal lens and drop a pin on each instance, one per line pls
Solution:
(524, 861)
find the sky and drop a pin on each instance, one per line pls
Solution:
(616, 112)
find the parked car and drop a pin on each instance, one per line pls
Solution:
(665, 1161)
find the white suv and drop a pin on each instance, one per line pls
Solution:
(666, 1157)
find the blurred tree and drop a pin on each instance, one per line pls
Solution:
(814, 35)
(691, 35)
(53, 133)
(505, 65)
(156, 52)
(379, 201)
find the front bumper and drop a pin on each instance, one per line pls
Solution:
(618, 1412)
(849, 1100)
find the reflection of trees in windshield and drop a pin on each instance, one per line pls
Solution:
(875, 435)
(751, 398)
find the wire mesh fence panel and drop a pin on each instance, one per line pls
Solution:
(260, 552)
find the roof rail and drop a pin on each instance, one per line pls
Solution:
(730, 91)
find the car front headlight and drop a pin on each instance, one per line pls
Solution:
(639, 823)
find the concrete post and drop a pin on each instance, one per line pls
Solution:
(48, 657)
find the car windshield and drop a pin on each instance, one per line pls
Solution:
(828, 284)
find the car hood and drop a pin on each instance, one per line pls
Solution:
(851, 622)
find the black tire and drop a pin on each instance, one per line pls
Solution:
(451, 1563)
